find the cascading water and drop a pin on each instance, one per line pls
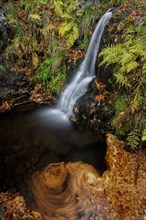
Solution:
(59, 116)
(79, 84)
(47, 137)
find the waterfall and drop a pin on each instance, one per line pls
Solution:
(85, 74)
(58, 117)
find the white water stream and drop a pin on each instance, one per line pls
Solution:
(85, 74)
(59, 116)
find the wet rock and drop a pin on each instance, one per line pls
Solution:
(3, 30)
(13, 86)
(2, 211)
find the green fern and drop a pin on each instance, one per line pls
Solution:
(68, 29)
(70, 32)
(121, 103)
(131, 66)
(58, 80)
(65, 28)
(136, 102)
(66, 16)
(110, 55)
(133, 139)
(144, 68)
(128, 57)
(73, 36)
(139, 47)
(35, 18)
(72, 7)
(44, 70)
(57, 6)
(121, 124)
(144, 134)
(128, 66)
(122, 80)
(142, 30)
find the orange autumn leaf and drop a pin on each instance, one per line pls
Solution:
(110, 102)
(74, 119)
(99, 97)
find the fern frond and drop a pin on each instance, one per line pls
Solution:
(137, 48)
(73, 36)
(127, 57)
(120, 123)
(35, 17)
(122, 80)
(65, 28)
(71, 7)
(57, 6)
(131, 66)
(144, 134)
(135, 103)
(144, 68)
(121, 104)
(133, 138)
(66, 16)
(47, 30)
(70, 32)
(110, 55)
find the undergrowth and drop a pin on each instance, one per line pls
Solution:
(128, 71)
(44, 33)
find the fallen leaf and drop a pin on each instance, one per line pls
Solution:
(99, 97)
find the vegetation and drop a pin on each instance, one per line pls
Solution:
(45, 31)
(128, 71)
